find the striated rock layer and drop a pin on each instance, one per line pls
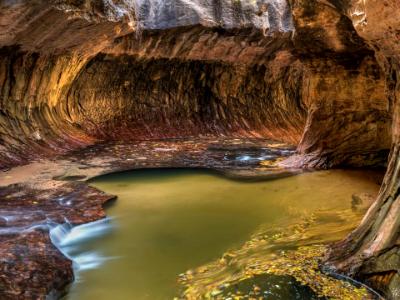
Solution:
(372, 251)
(70, 77)
(322, 75)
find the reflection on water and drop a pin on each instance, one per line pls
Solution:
(166, 222)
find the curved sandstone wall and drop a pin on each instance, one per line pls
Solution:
(323, 75)
(75, 72)
(372, 252)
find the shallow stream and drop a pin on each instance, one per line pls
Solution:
(166, 222)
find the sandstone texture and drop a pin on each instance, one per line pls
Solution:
(80, 78)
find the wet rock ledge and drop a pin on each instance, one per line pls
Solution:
(89, 87)
(38, 196)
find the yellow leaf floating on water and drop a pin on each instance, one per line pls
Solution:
(302, 264)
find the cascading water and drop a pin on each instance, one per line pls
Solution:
(193, 230)
(67, 239)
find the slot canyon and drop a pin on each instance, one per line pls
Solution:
(94, 87)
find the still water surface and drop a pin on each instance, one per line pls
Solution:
(168, 221)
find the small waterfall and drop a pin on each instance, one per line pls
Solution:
(68, 239)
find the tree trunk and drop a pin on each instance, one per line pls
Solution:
(371, 253)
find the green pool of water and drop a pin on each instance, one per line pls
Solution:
(168, 221)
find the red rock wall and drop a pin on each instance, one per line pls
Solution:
(72, 78)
